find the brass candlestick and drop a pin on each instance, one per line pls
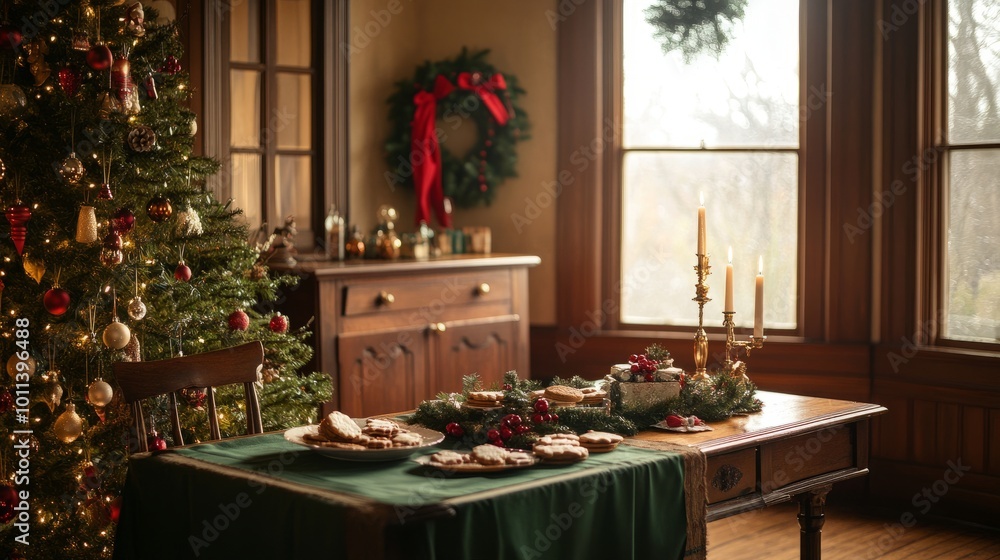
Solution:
(737, 367)
(702, 269)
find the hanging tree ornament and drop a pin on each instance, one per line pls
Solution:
(99, 56)
(36, 49)
(150, 84)
(52, 391)
(56, 299)
(123, 87)
(68, 426)
(159, 208)
(86, 225)
(116, 334)
(105, 192)
(71, 169)
(189, 223)
(100, 393)
(278, 323)
(111, 251)
(34, 268)
(80, 41)
(134, 18)
(12, 100)
(131, 350)
(136, 308)
(141, 139)
(69, 80)
(14, 366)
(123, 221)
(171, 65)
(18, 215)
(183, 271)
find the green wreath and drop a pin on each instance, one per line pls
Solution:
(477, 91)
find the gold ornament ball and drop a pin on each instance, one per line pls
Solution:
(28, 368)
(71, 169)
(100, 393)
(116, 335)
(159, 209)
(69, 425)
(12, 99)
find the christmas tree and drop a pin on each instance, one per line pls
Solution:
(112, 250)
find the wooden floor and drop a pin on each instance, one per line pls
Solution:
(851, 532)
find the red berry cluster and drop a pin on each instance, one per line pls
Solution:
(454, 429)
(643, 366)
(542, 414)
(509, 426)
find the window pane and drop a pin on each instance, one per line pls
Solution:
(973, 71)
(293, 177)
(292, 118)
(244, 31)
(293, 27)
(748, 97)
(751, 203)
(247, 184)
(244, 103)
(972, 301)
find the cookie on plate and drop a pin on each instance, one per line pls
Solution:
(338, 426)
(406, 439)
(519, 458)
(379, 443)
(599, 438)
(561, 453)
(449, 458)
(380, 427)
(342, 445)
(489, 454)
(563, 393)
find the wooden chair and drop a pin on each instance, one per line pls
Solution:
(239, 364)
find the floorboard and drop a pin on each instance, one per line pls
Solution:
(851, 533)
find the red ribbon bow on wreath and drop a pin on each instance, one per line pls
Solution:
(425, 151)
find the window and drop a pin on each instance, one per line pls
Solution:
(727, 128)
(281, 98)
(970, 145)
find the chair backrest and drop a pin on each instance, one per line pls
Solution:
(239, 364)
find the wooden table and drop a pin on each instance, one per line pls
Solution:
(795, 448)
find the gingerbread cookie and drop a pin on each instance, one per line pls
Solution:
(561, 453)
(519, 458)
(379, 427)
(338, 426)
(489, 454)
(449, 458)
(406, 439)
(342, 445)
(600, 438)
(379, 443)
(563, 393)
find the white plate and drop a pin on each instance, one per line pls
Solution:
(431, 437)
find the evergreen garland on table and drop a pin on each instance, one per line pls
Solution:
(68, 105)
(468, 179)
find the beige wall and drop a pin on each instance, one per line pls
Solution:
(522, 43)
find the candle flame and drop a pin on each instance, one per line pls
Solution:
(730, 254)
(701, 198)
(760, 265)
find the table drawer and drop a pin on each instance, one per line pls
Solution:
(433, 293)
(808, 455)
(731, 475)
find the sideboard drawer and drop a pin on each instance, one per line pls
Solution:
(808, 455)
(426, 292)
(731, 475)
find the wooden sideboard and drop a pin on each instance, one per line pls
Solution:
(394, 333)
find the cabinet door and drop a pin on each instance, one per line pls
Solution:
(488, 348)
(383, 372)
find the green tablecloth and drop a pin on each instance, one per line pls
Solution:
(262, 497)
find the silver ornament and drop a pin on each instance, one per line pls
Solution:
(136, 308)
(12, 100)
(52, 391)
(132, 350)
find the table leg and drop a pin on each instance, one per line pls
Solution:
(811, 519)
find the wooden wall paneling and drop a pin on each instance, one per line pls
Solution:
(578, 212)
(946, 431)
(923, 422)
(973, 437)
(850, 166)
(993, 437)
(892, 433)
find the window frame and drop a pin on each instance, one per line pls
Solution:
(329, 112)
(932, 270)
(808, 317)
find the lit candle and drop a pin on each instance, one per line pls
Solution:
(701, 224)
(729, 282)
(758, 316)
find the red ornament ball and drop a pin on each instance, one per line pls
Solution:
(537, 418)
(155, 442)
(493, 434)
(523, 428)
(278, 323)
(555, 417)
(99, 57)
(454, 429)
(511, 420)
(10, 36)
(56, 301)
(542, 405)
(123, 221)
(113, 241)
(238, 320)
(546, 417)
(182, 272)
(505, 433)
(650, 377)
(171, 65)
(8, 499)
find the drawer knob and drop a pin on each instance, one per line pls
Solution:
(385, 298)
(727, 477)
(438, 327)
(483, 289)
